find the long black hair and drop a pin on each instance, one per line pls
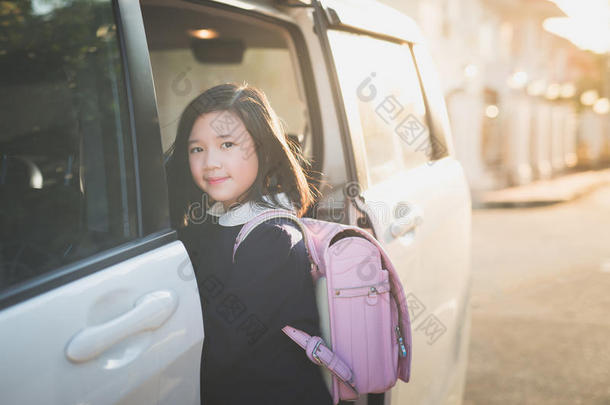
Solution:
(281, 166)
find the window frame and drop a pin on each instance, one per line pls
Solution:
(152, 206)
(435, 102)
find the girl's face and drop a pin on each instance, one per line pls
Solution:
(222, 156)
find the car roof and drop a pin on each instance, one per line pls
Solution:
(374, 17)
(363, 15)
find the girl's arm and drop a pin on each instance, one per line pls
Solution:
(269, 287)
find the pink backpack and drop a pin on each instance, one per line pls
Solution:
(366, 343)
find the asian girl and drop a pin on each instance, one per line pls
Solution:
(231, 160)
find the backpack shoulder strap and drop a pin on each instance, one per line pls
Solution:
(271, 214)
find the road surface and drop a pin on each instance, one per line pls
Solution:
(541, 304)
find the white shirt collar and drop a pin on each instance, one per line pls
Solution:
(241, 214)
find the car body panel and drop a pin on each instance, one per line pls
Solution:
(155, 366)
(433, 260)
(421, 215)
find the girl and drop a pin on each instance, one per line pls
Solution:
(230, 161)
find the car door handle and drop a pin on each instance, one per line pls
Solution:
(406, 223)
(150, 312)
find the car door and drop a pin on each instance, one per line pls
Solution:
(98, 300)
(407, 182)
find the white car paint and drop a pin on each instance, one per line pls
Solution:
(91, 342)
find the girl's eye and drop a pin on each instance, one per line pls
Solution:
(196, 149)
(228, 143)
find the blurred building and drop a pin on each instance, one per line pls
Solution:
(524, 103)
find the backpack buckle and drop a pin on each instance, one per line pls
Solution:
(314, 352)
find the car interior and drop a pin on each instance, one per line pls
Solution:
(193, 48)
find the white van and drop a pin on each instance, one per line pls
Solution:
(98, 299)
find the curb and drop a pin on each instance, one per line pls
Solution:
(543, 192)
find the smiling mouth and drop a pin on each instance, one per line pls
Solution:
(216, 180)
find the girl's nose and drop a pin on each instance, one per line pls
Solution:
(212, 160)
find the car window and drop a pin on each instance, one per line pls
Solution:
(66, 175)
(384, 102)
(193, 48)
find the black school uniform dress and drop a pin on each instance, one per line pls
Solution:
(246, 357)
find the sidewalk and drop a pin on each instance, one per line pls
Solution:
(543, 192)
